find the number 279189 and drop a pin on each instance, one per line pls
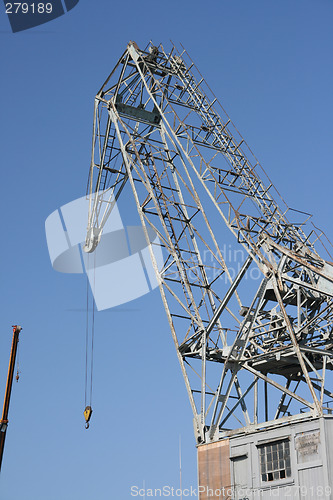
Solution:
(31, 8)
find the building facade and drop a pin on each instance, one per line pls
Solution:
(285, 460)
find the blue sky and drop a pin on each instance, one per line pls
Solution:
(269, 62)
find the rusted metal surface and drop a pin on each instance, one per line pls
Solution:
(214, 470)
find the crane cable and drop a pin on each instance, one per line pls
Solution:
(88, 400)
(18, 371)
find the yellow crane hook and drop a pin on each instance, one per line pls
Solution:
(87, 415)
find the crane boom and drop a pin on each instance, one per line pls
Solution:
(5, 410)
(259, 315)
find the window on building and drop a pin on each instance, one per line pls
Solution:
(275, 460)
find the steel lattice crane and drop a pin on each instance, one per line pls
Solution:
(247, 295)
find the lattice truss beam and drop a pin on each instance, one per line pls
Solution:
(247, 295)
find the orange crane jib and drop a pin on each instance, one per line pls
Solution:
(4, 417)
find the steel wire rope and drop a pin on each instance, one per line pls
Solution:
(88, 391)
(87, 337)
(18, 362)
(92, 333)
